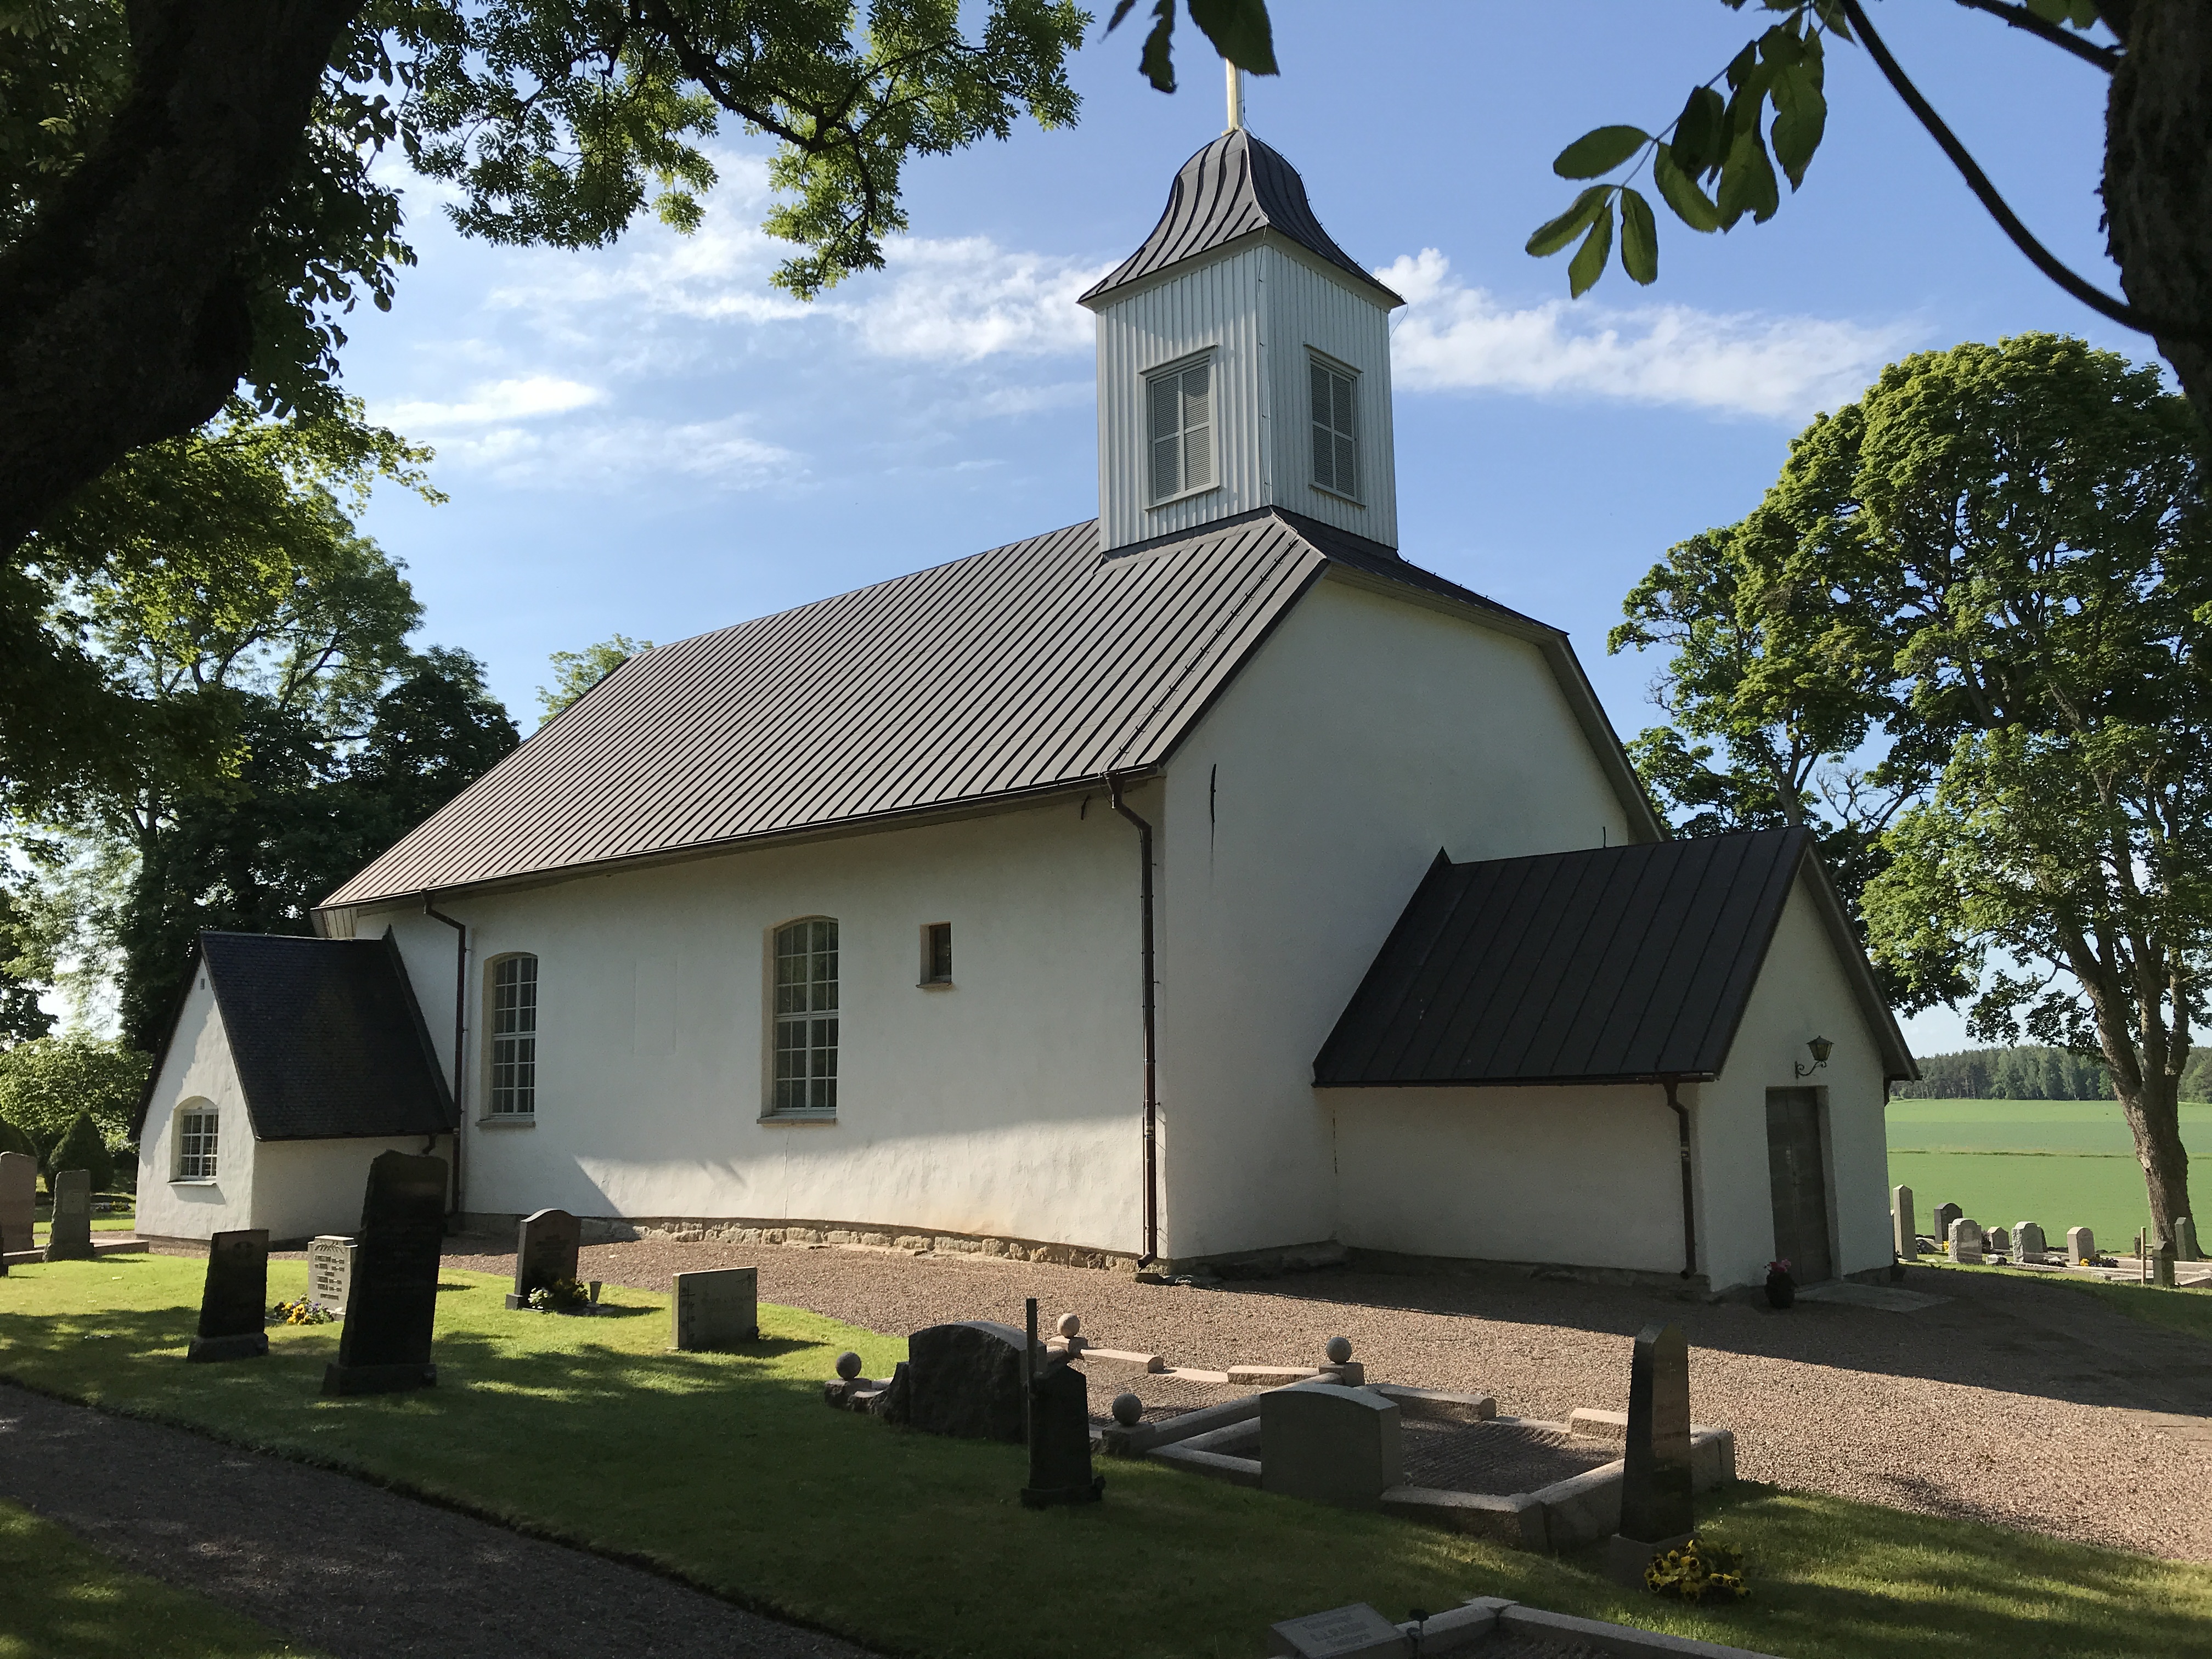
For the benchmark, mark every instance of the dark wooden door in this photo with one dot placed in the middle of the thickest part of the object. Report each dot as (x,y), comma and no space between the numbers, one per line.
(1801,1186)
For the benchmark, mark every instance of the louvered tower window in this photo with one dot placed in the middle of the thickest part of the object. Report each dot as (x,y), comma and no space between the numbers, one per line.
(1335,443)
(1181,403)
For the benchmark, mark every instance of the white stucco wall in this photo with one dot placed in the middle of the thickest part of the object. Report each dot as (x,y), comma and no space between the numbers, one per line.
(195,1069)
(1300,815)
(1588,1177)
(1802,993)
(1008,1105)
(303,1187)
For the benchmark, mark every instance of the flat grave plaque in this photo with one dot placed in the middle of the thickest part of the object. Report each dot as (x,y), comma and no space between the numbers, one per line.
(1354,1633)
(393,1303)
(236,1297)
(716,1307)
(70,1236)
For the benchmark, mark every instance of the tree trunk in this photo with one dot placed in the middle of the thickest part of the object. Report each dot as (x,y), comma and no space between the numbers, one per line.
(2158,178)
(123,307)
(2155,1120)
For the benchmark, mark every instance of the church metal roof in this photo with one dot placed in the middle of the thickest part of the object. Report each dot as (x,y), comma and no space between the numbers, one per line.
(1617,965)
(1040,665)
(324,1035)
(1235,187)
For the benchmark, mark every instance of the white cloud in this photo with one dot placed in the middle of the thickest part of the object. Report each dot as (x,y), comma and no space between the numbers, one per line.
(963,299)
(1455,337)
(492,403)
(721,453)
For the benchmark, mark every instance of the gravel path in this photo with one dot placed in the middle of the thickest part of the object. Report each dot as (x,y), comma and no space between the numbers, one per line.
(2027,1405)
(346,1567)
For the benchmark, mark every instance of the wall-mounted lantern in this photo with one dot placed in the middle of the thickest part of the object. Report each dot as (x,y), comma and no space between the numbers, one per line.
(1822,1048)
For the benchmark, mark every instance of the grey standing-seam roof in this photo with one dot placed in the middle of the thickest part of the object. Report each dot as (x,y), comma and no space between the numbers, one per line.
(1606,965)
(326,1037)
(1038,666)
(1235,187)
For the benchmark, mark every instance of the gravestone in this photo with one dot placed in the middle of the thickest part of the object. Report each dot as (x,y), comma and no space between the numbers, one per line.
(234,1301)
(1353,1632)
(2184,1241)
(1945,1215)
(1060,1439)
(1656,1511)
(2080,1246)
(714,1308)
(329,1271)
(1998,1243)
(69,1235)
(391,1306)
(1965,1240)
(964,1380)
(1904,1239)
(1331,1443)
(18,1201)
(2161,1264)
(2029,1243)
(544,1249)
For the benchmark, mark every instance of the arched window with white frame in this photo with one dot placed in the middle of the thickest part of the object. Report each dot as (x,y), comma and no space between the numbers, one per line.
(198,1141)
(513,1058)
(806,1017)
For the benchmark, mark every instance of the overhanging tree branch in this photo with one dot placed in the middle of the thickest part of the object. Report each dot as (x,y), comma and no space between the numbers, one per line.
(2106,58)
(2040,257)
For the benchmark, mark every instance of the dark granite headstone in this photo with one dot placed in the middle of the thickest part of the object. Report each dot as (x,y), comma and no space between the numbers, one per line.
(68,1238)
(964,1380)
(393,1303)
(19,1202)
(234,1303)
(546,1245)
(1656,1512)
(1060,1439)
(1945,1215)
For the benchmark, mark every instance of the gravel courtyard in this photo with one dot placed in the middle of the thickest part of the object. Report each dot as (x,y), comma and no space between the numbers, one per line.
(2027,1404)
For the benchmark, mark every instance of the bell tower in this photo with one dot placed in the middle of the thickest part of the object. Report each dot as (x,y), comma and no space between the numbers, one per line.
(1243,361)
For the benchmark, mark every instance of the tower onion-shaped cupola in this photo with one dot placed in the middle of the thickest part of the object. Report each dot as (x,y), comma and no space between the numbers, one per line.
(1243,361)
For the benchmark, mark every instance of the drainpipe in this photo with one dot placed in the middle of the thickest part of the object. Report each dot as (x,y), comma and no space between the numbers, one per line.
(460,1011)
(1151,1045)
(1689,1195)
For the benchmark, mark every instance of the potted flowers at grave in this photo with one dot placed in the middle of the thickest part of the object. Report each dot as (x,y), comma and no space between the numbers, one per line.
(1780,1288)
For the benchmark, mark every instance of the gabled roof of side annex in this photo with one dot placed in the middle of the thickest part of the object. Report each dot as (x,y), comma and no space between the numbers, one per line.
(1040,666)
(1234,188)
(324,1035)
(1620,964)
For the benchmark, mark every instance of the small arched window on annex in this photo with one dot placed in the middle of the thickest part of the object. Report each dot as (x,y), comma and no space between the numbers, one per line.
(195,1142)
(803,1018)
(511,1034)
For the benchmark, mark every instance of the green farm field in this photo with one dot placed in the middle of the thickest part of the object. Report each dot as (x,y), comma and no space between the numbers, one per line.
(2061,1163)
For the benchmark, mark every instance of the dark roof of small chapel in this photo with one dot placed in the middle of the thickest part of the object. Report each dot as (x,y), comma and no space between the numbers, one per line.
(1616,964)
(326,1037)
(1235,187)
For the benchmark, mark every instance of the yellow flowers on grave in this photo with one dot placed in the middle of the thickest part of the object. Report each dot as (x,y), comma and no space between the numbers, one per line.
(302,1312)
(1700,1570)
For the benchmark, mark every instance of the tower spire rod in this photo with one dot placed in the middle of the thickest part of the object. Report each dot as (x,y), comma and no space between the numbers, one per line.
(1236,96)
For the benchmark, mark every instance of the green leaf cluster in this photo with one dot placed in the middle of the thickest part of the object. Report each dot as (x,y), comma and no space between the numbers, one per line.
(1238,29)
(575,672)
(48,1083)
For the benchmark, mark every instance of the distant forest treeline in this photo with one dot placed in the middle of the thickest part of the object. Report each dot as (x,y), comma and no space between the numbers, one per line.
(2027,1074)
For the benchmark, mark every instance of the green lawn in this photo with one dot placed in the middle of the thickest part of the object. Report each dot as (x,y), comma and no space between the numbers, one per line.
(728,1470)
(65,1600)
(2061,1163)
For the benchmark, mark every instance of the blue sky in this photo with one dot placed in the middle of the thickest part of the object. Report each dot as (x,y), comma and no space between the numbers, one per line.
(650,440)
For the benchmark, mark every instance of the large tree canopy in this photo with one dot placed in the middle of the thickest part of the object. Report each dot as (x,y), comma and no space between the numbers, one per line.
(1990,579)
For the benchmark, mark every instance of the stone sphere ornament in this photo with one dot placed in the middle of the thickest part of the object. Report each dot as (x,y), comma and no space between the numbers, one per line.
(1069,1324)
(1339,1349)
(849,1365)
(1127,1409)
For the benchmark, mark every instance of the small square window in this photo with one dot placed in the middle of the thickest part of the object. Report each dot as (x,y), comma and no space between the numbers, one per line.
(937,953)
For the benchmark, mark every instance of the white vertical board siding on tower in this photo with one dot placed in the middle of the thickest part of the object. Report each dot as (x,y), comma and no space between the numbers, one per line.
(1211,305)
(1312,307)
(1007,1106)
(1584,1177)
(1802,993)
(1367,733)
(197,1071)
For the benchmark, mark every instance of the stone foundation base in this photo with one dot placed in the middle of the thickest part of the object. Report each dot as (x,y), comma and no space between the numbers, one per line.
(810,1235)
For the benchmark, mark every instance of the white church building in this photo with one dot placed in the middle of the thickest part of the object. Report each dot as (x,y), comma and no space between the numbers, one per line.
(1204,882)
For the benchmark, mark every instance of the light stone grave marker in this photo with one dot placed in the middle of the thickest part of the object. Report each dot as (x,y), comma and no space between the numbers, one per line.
(329,1271)
(68,1238)
(716,1307)
(19,1200)
(1965,1240)
(2080,1246)
(1903,1239)
(1354,1633)
(2161,1264)
(2029,1243)
(1325,1442)
(2184,1241)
